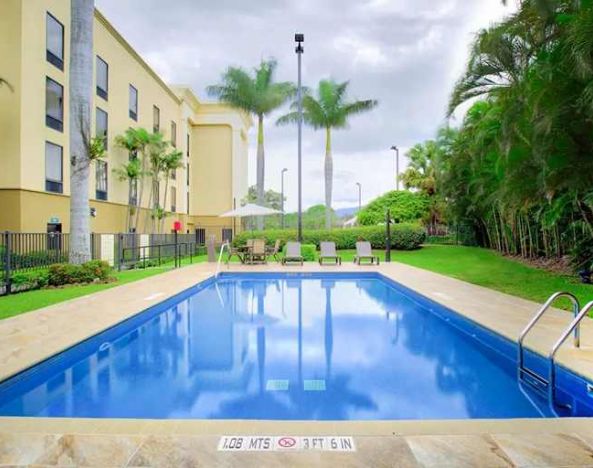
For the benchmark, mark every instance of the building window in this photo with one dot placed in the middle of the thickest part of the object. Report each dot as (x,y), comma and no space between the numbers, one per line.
(173,199)
(187,145)
(187,175)
(102,78)
(101,179)
(101,126)
(133,103)
(156,119)
(174,134)
(54,104)
(54,41)
(187,201)
(54,174)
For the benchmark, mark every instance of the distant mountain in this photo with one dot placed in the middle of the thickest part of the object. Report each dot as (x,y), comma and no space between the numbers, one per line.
(346,212)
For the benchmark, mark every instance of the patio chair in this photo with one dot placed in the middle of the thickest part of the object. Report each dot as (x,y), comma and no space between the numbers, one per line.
(235,252)
(293,253)
(274,251)
(364,252)
(257,252)
(328,252)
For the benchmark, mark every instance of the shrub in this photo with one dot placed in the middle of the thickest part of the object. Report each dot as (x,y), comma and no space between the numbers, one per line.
(30,279)
(65,273)
(307,251)
(404,207)
(403,236)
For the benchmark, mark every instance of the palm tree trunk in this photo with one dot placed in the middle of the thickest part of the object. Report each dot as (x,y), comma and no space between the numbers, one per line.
(81,81)
(260,168)
(329,177)
(162,220)
(140,194)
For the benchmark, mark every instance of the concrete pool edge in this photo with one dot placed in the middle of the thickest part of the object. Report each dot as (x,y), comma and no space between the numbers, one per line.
(204,427)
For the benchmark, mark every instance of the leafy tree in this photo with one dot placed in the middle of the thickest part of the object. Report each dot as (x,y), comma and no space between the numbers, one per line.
(520,168)
(404,207)
(136,141)
(328,110)
(272,199)
(255,94)
(172,161)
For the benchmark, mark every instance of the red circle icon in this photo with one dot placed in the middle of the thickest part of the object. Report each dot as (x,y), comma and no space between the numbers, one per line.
(287,442)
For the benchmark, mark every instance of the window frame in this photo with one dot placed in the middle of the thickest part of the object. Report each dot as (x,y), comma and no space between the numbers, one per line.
(101,190)
(51,121)
(133,113)
(102,93)
(173,134)
(156,123)
(173,203)
(53,185)
(52,58)
(105,137)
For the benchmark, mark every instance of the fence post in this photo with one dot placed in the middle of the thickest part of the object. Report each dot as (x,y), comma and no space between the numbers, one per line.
(176,249)
(120,251)
(388,237)
(7,262)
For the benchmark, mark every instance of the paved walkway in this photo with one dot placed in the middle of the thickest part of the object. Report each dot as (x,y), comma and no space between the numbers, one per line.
(32,337)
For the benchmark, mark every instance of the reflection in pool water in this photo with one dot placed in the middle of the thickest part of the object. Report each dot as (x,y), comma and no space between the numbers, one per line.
(276,347)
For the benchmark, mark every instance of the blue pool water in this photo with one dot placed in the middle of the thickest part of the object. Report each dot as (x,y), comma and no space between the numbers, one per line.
(318,347)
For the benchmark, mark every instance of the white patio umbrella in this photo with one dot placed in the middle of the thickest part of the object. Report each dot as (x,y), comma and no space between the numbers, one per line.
(250,209)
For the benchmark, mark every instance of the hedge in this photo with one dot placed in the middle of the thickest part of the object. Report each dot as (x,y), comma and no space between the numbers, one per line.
(403,236)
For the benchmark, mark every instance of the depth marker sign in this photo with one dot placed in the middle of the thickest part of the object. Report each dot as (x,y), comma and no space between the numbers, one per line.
(286,443)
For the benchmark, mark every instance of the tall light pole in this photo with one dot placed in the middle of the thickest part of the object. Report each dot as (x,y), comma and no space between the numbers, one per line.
(282,193)
(396,149)
(299,39)
(359,196)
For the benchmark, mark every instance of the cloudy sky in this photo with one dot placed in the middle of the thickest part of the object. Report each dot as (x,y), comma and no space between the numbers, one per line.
(405,53)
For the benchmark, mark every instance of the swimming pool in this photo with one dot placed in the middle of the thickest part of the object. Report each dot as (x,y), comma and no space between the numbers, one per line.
(339,346)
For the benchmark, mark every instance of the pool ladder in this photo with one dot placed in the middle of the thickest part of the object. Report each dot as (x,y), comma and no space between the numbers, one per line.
(538,381)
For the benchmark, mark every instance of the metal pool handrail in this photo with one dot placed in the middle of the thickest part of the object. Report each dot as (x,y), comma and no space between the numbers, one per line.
(573,326)
(542,311)
(228,246)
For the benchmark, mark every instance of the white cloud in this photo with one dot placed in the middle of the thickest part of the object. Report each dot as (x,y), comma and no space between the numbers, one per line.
(407,54)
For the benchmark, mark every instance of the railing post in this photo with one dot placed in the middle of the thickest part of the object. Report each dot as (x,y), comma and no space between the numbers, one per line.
(176,249)
(120,251)
(7,261)
(388,237)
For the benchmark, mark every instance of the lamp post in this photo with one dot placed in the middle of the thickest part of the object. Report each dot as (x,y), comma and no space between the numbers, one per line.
(359,196)
(396,149)
(299,39)
(282,193)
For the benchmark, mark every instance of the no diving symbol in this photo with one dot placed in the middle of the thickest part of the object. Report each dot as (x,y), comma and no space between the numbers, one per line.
(287,442)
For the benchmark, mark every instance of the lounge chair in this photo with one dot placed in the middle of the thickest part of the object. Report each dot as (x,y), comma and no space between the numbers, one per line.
(274,251)
(364,252)
(257,252)
(293,253)
(328,252)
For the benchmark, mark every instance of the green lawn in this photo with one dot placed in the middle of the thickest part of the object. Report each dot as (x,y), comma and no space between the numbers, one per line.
(471,264)
(24,302)
(490,269)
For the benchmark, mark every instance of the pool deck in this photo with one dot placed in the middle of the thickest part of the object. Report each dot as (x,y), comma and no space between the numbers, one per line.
(32,337)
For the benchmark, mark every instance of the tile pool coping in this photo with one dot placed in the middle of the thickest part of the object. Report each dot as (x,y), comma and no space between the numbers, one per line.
(37,335)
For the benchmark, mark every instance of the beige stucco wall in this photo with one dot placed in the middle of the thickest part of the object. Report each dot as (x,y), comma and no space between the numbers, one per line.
(218,157)
(10,107)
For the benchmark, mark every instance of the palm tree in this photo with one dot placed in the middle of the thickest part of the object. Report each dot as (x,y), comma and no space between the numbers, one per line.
(130,172)
(136,142)
(81,82)
(171,162)
(327,111)
(156,151)
(255,94)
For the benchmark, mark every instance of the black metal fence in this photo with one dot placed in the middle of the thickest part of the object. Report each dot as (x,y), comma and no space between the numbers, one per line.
(28,252)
